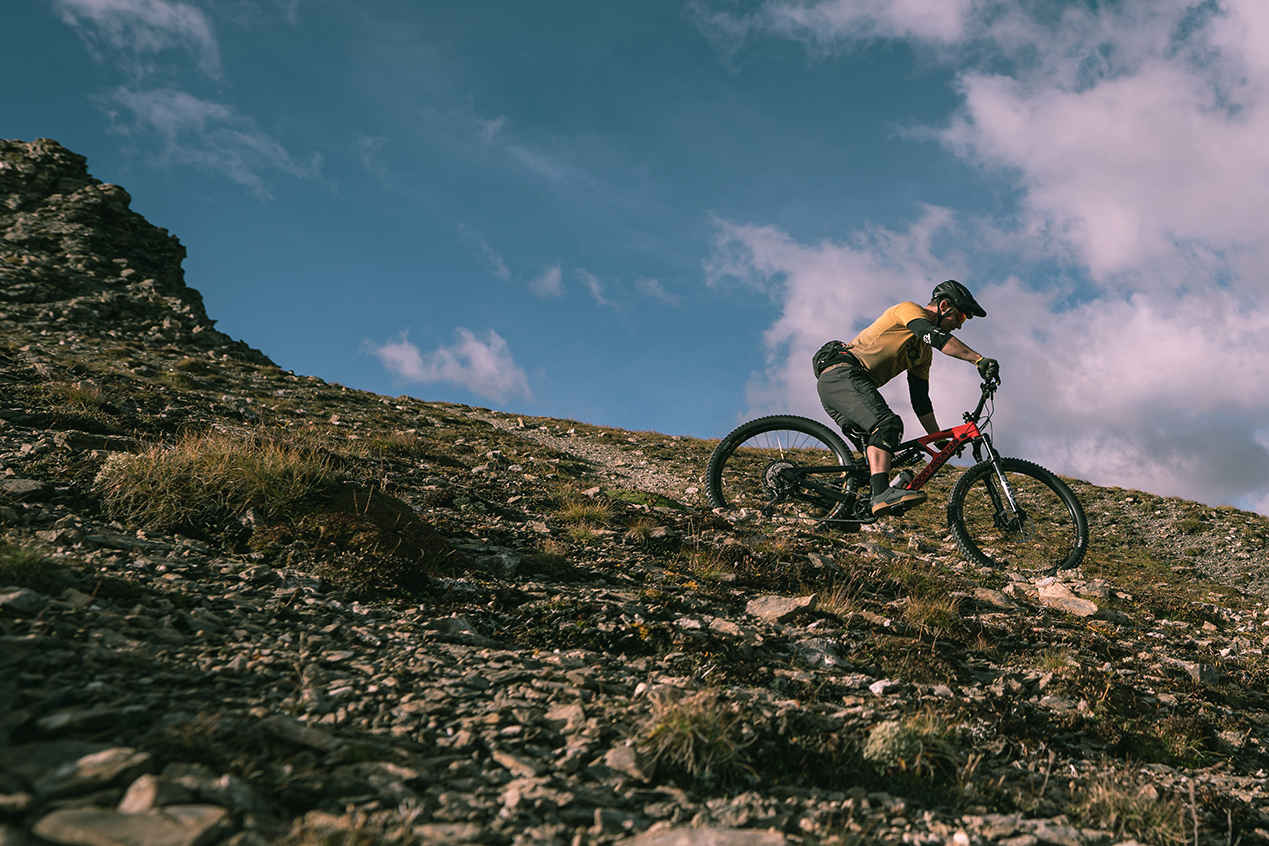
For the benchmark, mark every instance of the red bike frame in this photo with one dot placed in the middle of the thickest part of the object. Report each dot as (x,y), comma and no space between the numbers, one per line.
(958,437)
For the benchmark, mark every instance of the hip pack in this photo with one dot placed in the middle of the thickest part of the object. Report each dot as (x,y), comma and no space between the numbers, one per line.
(834,352)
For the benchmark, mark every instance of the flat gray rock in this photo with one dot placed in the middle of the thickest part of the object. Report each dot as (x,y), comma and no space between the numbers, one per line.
(1059,596)
(21,488)
(175,825)
(23,601)
(780,609)
(94,771)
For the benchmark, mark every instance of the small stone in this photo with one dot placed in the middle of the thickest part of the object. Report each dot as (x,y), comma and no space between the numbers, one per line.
(15,803)
(94,772)
(149,792)
(994,598)
(566,717)
(448,834)
(77,598)
(718,624)
(294,731)
(1059,835)
(23,601)
(709,837)
(517,765)
(629,761)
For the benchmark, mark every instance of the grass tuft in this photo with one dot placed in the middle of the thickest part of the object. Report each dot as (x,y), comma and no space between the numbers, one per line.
(585,512)
(205,482)
(699,735)
(640,530)
(1118,802)
(937,616)
(25,566)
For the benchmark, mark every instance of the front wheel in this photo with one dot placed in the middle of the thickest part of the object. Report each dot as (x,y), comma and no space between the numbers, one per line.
(1023,517)
(757,470)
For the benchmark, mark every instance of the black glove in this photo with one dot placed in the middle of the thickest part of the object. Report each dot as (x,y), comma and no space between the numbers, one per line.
(989,369)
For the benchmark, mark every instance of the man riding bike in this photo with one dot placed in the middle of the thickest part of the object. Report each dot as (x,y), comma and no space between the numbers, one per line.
(903,338)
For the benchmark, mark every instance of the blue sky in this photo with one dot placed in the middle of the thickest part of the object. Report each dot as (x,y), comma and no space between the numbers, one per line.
(647,215)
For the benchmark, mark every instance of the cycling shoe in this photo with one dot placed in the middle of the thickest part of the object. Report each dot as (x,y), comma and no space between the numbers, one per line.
(893,500)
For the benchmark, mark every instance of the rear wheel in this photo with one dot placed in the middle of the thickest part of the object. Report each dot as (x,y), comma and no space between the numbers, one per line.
(754,470)
(1026,517)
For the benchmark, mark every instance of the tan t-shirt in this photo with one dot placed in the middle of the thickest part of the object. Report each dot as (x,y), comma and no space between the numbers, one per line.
(887,348)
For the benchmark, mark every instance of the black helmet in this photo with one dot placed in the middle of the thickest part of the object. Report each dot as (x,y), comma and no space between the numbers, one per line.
(959,296)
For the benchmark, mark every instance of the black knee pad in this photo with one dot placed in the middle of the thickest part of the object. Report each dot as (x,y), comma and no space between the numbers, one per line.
(888,433)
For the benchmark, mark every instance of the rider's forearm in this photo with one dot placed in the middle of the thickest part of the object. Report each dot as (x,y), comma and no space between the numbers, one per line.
(956,349)
(931,425)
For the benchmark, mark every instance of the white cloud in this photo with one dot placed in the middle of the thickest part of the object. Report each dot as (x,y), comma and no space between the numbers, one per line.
(370,150)
(208,135)
(541,162)
(486,254)
(483,366)
(549,283)
(595,285)
(138,28)
(1155,152)
(827,25)
(654,289)
(829,21)
(490,129)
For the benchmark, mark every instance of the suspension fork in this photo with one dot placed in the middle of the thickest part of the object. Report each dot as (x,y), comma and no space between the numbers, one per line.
(997,503)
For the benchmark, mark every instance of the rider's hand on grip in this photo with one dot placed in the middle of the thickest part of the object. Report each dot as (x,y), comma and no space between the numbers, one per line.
(989,369)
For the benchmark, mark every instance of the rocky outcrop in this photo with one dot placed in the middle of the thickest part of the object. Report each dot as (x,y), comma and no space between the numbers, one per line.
(76,260)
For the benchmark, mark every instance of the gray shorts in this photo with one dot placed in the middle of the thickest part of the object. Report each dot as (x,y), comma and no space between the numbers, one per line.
(851,398)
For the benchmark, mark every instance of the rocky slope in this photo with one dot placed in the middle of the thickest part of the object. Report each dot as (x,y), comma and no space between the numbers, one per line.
(481,628)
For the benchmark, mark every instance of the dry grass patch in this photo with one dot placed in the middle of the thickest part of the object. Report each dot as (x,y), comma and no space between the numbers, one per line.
(699,735)
(207,481)
(1057,661)
(640,530)
(1120,802)
(937,616)
(80,397)
(584,511)
(708,565)
(841,600)
(919,745)
(26,566)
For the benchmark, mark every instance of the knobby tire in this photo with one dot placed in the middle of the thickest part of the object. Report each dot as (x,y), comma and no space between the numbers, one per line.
(743,470)
(1050,533)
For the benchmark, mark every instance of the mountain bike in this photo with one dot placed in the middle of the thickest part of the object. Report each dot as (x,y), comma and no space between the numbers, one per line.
(1001,510)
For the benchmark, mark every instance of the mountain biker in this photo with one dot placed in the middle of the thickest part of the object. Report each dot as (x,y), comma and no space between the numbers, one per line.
(901,339)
